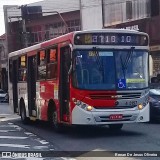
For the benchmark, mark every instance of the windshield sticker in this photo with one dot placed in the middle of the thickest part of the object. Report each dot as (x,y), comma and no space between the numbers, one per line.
(105,53)
(93,53)
(135,80)
(121,83)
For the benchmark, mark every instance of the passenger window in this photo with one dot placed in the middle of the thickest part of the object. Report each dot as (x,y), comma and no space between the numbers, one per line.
(22,69)
(52,63)
(41,68)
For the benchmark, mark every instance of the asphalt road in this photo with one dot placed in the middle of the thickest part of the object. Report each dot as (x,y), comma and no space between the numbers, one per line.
(133,137)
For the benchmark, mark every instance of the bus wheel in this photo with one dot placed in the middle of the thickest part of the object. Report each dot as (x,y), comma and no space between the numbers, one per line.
(24,118)
(53,120)
(115,127)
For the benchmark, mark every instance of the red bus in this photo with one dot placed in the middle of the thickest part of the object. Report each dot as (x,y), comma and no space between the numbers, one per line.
(96,77)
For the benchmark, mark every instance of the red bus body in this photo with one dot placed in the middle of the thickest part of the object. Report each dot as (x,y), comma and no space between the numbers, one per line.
(51,92)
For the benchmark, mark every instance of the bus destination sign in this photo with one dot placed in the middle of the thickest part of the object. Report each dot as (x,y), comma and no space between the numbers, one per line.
(110,39)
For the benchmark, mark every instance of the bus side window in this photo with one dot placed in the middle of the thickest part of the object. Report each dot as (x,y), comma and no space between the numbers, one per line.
(41,70)
(22,69)
(52,63)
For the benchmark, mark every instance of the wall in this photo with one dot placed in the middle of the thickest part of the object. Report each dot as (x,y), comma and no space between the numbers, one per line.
(91,14)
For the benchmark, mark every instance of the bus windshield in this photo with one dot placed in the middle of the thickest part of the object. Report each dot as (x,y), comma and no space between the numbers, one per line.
(110,70)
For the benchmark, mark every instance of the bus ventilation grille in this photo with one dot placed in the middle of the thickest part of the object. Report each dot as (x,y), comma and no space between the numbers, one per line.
(117,96)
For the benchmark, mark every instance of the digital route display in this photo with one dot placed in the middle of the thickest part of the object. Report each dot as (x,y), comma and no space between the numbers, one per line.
(111,39)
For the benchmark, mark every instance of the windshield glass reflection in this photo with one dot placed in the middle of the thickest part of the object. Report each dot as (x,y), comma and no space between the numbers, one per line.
(108,70)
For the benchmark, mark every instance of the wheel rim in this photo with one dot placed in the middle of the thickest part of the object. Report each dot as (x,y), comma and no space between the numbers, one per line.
(22,113)
(55,121)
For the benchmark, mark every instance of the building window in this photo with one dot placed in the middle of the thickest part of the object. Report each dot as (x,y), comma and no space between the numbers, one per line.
(58,28)
(128,10)
(120,11)
(155,7)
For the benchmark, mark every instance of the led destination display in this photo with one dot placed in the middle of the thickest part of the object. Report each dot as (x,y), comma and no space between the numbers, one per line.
(110,39)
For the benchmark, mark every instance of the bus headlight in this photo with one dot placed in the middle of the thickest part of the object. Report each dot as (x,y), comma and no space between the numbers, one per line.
(82,105)
(89,108)
(86,107)
(140,106)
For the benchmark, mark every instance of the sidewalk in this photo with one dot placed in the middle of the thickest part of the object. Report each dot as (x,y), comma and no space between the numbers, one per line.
(6,112)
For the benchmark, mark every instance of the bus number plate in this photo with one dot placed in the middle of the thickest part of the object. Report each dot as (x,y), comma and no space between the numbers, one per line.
(115,116)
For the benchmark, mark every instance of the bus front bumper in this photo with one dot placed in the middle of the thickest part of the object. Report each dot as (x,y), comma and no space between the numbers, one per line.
(102,117)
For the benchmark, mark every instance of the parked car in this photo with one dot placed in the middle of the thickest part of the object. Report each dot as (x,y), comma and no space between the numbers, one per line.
(3,96)
(154,101)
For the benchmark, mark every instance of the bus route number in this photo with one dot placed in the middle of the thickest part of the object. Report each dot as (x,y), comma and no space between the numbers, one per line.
(126,39)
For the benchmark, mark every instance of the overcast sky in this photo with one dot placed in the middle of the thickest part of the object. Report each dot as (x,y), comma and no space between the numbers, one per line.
(10,2)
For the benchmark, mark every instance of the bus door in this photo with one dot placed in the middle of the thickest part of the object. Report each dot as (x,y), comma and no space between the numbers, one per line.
(14,84)
(64,92)
(31,81)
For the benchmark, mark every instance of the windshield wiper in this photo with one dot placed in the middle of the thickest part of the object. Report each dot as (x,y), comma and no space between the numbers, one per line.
(126,62)
(98,59)
(99,63)
(128,58)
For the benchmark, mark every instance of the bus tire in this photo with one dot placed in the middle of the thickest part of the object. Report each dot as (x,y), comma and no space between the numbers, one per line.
(53,120)
(115,127)
(24,118)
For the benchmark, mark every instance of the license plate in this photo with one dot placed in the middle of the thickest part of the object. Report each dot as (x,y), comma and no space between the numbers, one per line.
(115,116)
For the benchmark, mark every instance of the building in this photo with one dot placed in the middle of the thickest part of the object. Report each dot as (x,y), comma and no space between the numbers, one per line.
(36,22)
(33,23)
(3,62)
(141,15)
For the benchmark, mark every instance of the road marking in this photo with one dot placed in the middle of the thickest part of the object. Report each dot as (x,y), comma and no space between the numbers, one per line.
(4,131)
(15,145)
(40,147)
(28,133)
(41,141)
(10,125)
(12,137)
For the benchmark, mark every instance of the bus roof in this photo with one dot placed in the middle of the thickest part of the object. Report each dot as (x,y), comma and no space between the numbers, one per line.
(69,36)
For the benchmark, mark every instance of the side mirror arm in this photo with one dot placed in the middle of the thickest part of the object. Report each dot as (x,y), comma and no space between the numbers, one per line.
(70,69)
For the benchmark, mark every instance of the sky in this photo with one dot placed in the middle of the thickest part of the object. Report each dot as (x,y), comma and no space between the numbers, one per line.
(11,2)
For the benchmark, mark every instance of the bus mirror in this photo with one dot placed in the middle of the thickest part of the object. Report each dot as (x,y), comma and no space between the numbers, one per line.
(71,47)
(70,70)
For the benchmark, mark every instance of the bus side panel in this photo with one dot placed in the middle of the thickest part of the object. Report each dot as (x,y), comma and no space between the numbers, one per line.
(22,94)
(45,91)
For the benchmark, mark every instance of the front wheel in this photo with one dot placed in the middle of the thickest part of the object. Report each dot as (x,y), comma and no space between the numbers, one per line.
(53,120)
(115,127)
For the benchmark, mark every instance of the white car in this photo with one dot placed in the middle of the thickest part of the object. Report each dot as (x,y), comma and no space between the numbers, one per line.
(3,96)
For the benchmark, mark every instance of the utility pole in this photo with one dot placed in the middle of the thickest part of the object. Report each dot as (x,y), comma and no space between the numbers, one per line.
(24,33)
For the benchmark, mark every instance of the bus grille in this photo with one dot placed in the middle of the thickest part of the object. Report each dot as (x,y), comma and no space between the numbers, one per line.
(115,107)
(117,96)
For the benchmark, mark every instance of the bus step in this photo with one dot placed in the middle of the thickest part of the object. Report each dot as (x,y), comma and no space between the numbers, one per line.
(33,118)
